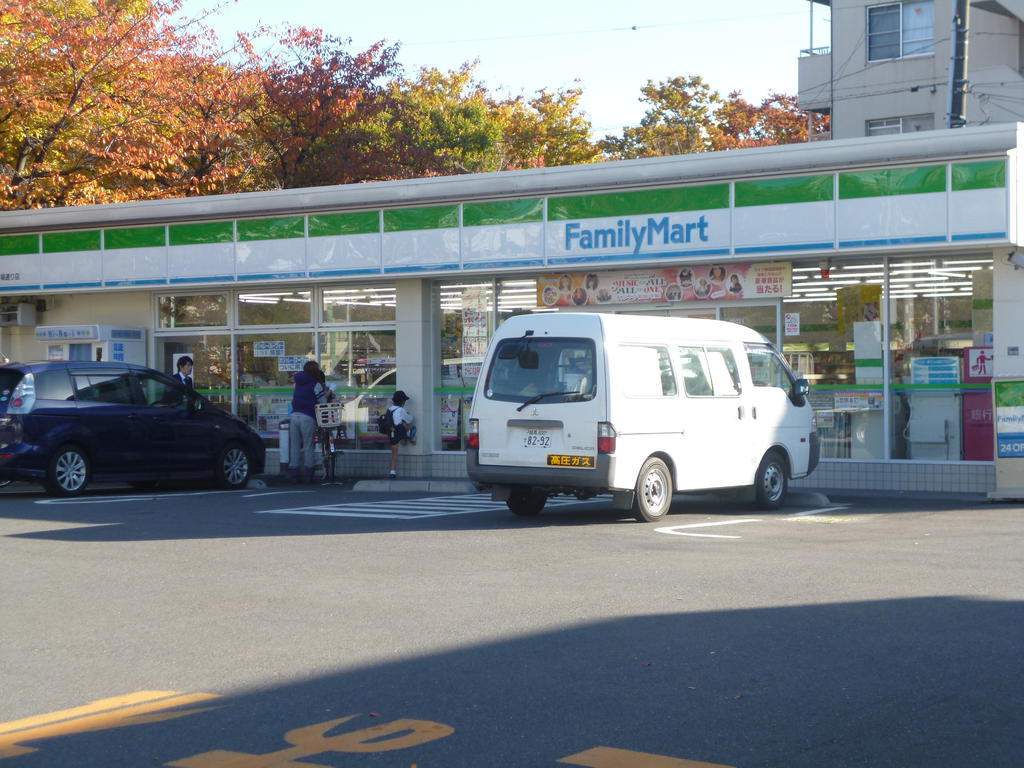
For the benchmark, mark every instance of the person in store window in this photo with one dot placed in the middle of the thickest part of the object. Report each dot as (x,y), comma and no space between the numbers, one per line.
(184,372)
(402,429)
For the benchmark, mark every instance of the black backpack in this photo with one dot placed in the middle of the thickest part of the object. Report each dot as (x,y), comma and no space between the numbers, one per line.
(385,422)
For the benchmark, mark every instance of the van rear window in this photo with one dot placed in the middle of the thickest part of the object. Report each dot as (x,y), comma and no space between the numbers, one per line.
(549,370)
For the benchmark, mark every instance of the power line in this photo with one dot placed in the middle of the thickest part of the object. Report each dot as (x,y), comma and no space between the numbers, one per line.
(632,28)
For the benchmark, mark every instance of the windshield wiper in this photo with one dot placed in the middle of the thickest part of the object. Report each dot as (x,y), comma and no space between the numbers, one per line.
(538,398)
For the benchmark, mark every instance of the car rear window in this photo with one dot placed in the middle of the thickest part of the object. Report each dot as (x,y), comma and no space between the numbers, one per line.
(54,385)
(549,370)
(9,379)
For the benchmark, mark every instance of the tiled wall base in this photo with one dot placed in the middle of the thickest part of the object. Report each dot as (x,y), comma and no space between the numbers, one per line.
(963,477)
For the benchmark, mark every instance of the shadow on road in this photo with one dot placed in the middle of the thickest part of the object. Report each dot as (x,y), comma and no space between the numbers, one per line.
(909,683)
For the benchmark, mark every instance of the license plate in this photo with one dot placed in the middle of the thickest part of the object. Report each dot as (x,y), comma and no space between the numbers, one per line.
(537,438)
(573,462)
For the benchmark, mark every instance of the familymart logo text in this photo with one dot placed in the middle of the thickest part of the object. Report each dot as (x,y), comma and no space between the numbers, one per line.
(625,235)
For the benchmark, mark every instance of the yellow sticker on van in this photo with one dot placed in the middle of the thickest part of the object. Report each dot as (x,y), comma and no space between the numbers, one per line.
(573,462)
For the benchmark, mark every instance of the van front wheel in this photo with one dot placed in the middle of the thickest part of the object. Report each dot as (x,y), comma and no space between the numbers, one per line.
(653,492)
(526,502)
(771,482)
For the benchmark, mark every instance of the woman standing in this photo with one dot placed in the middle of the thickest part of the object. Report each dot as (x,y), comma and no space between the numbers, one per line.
(301,459)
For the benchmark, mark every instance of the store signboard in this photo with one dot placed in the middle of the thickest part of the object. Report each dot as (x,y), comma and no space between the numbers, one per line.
(1009,419)
(267,348)
(935,370)
(710,282)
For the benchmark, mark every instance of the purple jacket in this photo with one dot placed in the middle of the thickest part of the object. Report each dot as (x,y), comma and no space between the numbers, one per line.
(303,399)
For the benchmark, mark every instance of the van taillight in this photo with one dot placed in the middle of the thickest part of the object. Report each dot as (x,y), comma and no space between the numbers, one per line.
(473,434)
(605,437)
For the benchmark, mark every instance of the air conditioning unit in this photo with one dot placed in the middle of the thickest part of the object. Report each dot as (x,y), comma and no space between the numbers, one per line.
(17,314)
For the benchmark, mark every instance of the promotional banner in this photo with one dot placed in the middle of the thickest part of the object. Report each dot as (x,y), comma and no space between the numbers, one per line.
(710,282)
(1009,417)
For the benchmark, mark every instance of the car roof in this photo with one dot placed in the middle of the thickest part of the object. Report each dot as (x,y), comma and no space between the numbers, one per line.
(36,366)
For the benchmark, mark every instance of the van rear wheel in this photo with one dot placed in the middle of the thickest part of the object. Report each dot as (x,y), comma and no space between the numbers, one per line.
(771,481)
(653,495)
(526,502)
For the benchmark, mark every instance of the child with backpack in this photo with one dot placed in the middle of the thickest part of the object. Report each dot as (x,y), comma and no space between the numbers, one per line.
(396,423)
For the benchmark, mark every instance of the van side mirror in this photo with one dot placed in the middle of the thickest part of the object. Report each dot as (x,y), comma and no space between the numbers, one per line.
(800,389)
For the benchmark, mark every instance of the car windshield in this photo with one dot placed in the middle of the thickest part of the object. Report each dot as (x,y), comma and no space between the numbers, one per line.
(547,370)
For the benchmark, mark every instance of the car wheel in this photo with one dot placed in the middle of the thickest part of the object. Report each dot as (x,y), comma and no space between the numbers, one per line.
(653,491)
(526,502)
(69,472)
(771,481)
(233,467)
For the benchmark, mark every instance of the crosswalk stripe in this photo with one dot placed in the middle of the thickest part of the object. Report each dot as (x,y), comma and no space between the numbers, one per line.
(411,509)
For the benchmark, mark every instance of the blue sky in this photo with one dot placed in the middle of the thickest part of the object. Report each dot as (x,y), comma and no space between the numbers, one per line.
(611,47)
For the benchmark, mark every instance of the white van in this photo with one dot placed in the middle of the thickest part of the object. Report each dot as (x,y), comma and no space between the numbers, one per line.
(641,407)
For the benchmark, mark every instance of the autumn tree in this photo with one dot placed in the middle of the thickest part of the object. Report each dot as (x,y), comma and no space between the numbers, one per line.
(84,90)
(686,115)
(313,110)
(547,130)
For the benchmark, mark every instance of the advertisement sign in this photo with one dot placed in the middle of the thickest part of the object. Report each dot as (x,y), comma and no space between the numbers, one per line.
(935,370)
(978,364)
(267,348)
(474,329)
(791,322)
(711,282)
(1009,397)
(291,362)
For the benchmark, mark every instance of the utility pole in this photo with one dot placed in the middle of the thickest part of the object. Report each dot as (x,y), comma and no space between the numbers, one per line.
(956,116)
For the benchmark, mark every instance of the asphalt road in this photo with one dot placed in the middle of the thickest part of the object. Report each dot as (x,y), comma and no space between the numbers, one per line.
(322,627)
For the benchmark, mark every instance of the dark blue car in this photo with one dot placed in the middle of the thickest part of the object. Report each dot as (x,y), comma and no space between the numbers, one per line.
(69,423)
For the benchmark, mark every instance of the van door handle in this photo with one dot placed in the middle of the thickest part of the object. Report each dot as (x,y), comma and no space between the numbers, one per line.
(753,412)
(739,412)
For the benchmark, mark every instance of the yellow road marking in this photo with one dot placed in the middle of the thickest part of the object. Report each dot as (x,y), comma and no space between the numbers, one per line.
(100,715)
(609,757)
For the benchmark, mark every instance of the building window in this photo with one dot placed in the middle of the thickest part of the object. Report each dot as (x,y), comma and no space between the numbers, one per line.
(890,125)
(901,29)
(359,304)
(274,308)
(193,311)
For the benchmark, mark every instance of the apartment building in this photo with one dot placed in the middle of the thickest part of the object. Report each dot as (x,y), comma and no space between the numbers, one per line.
(887,66)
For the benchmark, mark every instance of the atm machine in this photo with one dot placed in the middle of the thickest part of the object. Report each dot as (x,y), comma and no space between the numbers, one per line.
(106,343)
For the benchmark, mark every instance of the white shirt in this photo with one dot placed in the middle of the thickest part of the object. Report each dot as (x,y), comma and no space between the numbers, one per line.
(399,415)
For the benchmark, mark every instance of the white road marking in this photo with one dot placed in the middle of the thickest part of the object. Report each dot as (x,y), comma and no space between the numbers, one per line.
(136,497)
(679,530)
(272,493)
(414,509)
(819,511)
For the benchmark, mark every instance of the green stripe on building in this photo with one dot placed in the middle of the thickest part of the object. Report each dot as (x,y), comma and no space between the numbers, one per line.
(202,234)
(282,228)
(867,362)
(502,212)
(66,242)
(652,201)
(337,224)
(16,245)
(887,182)
(990,175)
(134,237)
(432,217)
(805,189)
(981,304)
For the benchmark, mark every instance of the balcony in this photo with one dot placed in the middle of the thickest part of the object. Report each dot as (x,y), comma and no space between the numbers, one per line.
(814,79)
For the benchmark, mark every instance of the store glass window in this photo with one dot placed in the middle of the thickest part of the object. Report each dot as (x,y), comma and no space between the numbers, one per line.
(360,368)
(275,307)
(940,324)
(466,322)
(211,358)
(359,304)
(833,338)
(266,364)
(760,317)
(193,311)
